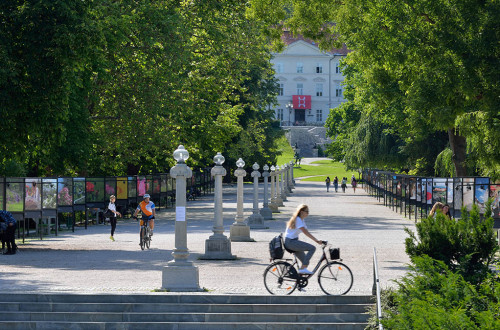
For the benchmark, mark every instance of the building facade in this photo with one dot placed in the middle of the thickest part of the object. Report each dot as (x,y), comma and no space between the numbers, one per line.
(310,82)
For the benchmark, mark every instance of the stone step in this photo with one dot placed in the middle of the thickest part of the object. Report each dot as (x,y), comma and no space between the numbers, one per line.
(176,307)
(181,311)
(177,326)
(185,317)
(187,298)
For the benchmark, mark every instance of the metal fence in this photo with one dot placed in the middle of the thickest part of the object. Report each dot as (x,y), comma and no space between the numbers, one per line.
(37,202)
(415,195)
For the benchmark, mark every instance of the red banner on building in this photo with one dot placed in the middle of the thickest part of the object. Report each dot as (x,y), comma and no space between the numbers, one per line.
(301,101)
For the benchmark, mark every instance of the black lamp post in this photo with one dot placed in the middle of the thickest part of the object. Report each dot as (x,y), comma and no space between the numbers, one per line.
(289,106)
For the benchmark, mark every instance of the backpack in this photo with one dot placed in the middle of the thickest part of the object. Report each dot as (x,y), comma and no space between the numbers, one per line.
(276,249)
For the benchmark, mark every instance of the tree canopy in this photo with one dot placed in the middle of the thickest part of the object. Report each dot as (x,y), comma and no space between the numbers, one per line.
(416,67)
(113,87)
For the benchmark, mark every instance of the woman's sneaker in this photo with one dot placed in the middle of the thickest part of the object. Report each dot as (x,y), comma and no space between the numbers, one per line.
(305,271)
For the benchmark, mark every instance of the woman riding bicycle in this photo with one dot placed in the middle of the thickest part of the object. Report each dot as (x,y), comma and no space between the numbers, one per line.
(294,227)
(147,208)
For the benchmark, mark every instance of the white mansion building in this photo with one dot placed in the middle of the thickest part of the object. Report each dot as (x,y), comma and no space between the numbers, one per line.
(309,82)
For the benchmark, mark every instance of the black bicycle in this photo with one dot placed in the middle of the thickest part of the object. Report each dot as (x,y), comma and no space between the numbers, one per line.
(145,234)
(335,278)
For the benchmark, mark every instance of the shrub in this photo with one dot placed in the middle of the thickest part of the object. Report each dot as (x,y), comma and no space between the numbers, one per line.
(433,297)
(465,245)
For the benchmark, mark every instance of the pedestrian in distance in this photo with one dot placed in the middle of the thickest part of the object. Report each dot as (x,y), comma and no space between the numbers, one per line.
(354,183)
(294,227)
(336,183)
(327,181)
(344,184)
(446,211)
(113,214)
(3,228)
(437,206)
(10,231)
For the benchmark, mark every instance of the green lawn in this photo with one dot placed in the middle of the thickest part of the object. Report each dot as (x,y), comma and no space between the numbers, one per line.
(320,170)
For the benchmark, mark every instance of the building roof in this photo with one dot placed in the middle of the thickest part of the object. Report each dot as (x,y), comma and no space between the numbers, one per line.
(288,38)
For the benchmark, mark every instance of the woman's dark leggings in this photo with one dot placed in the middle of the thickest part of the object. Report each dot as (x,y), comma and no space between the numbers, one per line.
(112,221)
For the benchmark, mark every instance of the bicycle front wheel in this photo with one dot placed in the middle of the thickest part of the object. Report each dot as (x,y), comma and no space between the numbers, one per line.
(335,278)
(280,278)
(147,240)
(143,236)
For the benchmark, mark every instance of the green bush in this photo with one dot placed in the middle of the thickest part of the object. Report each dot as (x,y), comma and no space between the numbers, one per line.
(433,297)
(465,245)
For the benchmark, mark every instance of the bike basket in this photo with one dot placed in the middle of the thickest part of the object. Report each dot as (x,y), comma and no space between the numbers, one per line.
(334,253)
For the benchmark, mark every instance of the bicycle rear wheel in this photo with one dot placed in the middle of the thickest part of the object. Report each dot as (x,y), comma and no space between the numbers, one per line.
(280,278)
(335,278)
(143,236)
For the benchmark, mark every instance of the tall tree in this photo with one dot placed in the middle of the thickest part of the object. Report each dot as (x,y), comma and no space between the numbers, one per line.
(433,63)
(44,48)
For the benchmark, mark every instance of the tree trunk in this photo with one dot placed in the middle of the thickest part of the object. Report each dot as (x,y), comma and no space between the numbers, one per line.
(459,147)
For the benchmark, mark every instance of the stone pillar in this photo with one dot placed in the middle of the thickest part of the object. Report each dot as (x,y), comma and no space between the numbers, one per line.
(265,211)
(282,191)
(288,190)
(256,220)
(279,199)
(292,181)
(218,246)
(180,274)
(273,206)
(239,231)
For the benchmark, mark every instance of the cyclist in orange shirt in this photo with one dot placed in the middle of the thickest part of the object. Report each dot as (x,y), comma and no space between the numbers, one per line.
(147,208)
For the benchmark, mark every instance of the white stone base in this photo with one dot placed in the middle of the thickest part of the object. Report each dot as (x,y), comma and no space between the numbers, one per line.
(266,213)
(218,248)
(256,221)
(274,208)
(180,277)
(240,233)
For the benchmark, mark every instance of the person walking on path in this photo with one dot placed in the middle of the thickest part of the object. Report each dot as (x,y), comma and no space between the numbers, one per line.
(113,213)
(353,183)
(327,181)
(294,227)
(336,183)
(344,184)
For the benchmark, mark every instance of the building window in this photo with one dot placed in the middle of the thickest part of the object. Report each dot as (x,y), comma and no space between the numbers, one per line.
(279,67)
(319,68)
(300,67)
(279,114)
(281,88)
(337,67)
(319,89)
(300,89)
(338,91)
(319,116)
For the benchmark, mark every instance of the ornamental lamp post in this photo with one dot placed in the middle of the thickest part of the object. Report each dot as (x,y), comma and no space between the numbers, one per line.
(265,211)
(289,106)
(239,231)
(272,204)
(278,200)
(180,274)
(256,220)
(218,246)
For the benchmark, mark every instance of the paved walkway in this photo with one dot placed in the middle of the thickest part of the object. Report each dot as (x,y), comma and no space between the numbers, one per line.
(87,261)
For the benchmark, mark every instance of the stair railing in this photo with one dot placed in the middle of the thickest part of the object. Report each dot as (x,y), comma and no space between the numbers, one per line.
(376,288)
